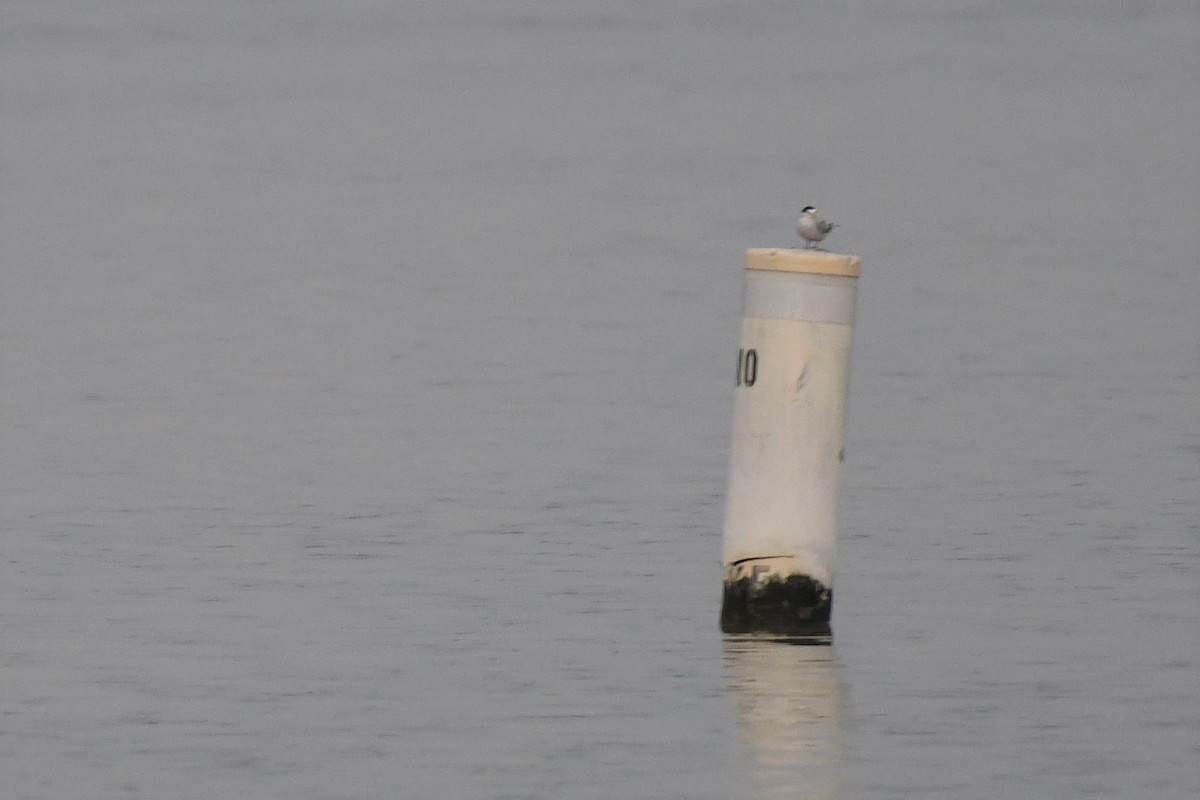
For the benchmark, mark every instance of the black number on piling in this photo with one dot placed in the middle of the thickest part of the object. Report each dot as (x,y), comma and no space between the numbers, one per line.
(750,373)
(747,368)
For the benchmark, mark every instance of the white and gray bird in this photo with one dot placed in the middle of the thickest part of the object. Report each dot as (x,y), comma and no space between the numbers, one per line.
(812,228)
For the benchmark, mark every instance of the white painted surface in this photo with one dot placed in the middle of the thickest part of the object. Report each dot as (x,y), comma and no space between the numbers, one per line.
(799,296)
(788,424)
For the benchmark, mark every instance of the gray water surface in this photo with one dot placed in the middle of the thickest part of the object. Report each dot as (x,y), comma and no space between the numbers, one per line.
(367,378)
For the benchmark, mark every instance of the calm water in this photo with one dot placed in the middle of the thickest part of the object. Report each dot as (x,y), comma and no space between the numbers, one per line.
(367,379)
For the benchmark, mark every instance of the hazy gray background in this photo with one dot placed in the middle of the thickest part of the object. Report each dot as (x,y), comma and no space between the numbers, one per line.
(367,377)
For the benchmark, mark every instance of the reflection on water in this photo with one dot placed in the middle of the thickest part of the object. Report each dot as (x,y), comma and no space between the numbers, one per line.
(788,704)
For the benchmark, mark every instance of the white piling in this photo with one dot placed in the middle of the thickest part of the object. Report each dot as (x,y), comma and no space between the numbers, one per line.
(788,424)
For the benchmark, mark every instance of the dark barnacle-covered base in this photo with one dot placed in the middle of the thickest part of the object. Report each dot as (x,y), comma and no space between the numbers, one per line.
(793,606)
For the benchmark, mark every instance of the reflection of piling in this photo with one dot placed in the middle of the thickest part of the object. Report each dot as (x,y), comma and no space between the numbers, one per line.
(788,421)
(788,703)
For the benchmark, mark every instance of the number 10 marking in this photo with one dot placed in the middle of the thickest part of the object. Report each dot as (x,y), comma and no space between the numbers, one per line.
(747,371)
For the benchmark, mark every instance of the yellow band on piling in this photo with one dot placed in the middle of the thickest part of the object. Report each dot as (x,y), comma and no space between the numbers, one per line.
(811,261)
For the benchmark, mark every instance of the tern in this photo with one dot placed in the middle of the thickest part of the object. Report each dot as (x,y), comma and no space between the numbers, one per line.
(812,228)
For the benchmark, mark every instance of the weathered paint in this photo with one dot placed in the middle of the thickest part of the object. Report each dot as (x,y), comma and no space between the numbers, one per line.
(780,536)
